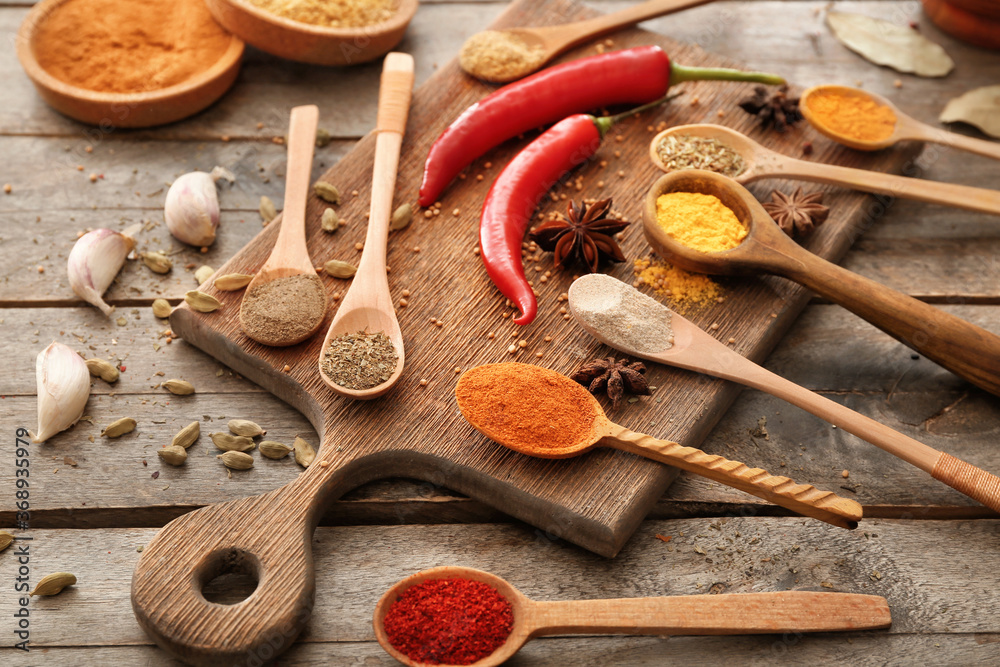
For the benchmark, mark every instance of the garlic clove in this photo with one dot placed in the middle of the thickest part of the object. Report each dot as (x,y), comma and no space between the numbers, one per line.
(192,209)
(63,382)
(94,262)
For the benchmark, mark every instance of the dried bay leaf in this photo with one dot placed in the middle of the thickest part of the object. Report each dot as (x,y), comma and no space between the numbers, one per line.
(900,47)
(979,107)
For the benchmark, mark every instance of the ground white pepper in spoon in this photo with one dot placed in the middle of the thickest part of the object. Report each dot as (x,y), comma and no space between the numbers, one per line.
(629,319)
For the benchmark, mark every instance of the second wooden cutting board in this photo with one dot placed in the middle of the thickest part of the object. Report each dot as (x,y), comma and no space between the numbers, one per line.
(416,431)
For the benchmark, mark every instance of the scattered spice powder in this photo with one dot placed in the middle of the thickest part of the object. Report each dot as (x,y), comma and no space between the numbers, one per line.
(499,55)
(672,281)
(284,309)
(690,152)
(360,360)
(627,318)
(449,621)
(331,13)
(699,221)
(855,116)
(129,47)
(526,407)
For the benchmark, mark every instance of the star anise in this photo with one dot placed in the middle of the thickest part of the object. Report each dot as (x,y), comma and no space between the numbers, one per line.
(797,212)
(777,110)
(586,235)
(615,377)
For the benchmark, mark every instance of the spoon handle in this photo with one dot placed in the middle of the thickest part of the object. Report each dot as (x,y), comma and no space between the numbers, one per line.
(959,196)
(291,241)
(583,31)
(960,141)
(730,614)
(717,360)
(801,498)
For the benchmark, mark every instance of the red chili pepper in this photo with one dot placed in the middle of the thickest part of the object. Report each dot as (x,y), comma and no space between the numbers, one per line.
(632,76)
(513,197)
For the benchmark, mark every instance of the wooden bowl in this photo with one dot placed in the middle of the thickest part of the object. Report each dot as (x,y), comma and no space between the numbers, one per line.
(117,110)
(309,43)
(974,21)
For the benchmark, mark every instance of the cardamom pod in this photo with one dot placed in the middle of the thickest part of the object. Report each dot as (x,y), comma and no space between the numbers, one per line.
(187,435)
(323,138)
(203,303)
(118,428)
(327,192)
(162,308)
(52,584)
(103,369)
(329,222)
(401,217)
(337,269)
(179,387)
(232,443)
(245,427)
(173,455)
(236,460)
(232,282)
(304,452)
(267,210)
(157,262)
(203,273)
(6,538)
(273,450)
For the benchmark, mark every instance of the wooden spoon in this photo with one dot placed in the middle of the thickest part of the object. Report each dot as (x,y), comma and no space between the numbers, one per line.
(727,614)
(580,407)
(367,306)
(295,287)
(761,163)
(963,348)
(545,43)
(907,128)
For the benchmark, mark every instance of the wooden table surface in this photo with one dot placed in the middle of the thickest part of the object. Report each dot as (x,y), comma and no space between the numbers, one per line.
(929,550)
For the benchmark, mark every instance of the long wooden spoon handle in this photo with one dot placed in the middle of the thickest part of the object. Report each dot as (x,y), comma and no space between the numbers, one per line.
(802,498)
(734,614)
(969,351)
(960,196)
(966,478)
(583,31)
(960,141)
(291,241)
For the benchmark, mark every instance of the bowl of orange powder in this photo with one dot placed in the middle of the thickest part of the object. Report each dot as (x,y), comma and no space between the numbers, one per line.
(127,64)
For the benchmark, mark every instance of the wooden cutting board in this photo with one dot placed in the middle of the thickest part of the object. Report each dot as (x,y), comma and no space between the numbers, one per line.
(596,500)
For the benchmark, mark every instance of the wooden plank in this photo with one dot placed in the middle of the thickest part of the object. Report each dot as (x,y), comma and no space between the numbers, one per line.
(931,572)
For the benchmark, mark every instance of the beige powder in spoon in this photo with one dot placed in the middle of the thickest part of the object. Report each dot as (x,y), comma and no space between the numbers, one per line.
(284,309)
(497,55)
(626,318)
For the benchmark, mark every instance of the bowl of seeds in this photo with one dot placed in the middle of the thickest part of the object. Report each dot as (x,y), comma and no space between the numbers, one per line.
(321,32)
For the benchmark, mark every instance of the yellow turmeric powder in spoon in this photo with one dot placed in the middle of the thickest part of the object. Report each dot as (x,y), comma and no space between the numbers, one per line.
(699,221)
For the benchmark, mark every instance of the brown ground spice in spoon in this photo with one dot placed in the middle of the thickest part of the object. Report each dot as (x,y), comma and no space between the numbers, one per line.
(283,309)
(526,407)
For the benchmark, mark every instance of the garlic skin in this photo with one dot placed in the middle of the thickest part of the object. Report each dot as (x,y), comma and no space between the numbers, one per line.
(192,209)
(63,388)
(95,261)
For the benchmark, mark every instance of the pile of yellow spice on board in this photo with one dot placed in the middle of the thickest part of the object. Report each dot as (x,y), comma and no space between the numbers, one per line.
(331,13)
(676,283)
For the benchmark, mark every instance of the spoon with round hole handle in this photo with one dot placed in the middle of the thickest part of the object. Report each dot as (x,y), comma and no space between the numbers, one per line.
(761,162)
(598,430)
(726,614)
(367,306)
(290,256)
(556,39)
(907,128)
(963,348)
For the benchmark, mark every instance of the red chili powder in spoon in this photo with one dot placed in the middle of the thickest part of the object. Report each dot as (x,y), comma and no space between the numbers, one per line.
(449,621)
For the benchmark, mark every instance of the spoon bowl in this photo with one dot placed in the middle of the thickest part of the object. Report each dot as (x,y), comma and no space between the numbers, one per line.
(726,614)
(290,256)
(907,128)
(367,306)
(761,162)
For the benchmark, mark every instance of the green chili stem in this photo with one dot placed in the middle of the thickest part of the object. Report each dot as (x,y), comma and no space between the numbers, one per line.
(604,123)
(680,74)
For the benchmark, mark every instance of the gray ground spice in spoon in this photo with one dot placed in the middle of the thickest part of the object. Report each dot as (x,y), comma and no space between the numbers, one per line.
(285,309)
(628,319)
(360,360)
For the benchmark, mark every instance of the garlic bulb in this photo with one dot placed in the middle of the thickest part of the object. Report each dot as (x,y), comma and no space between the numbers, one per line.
(192,206)
(63,387)
(95,261)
